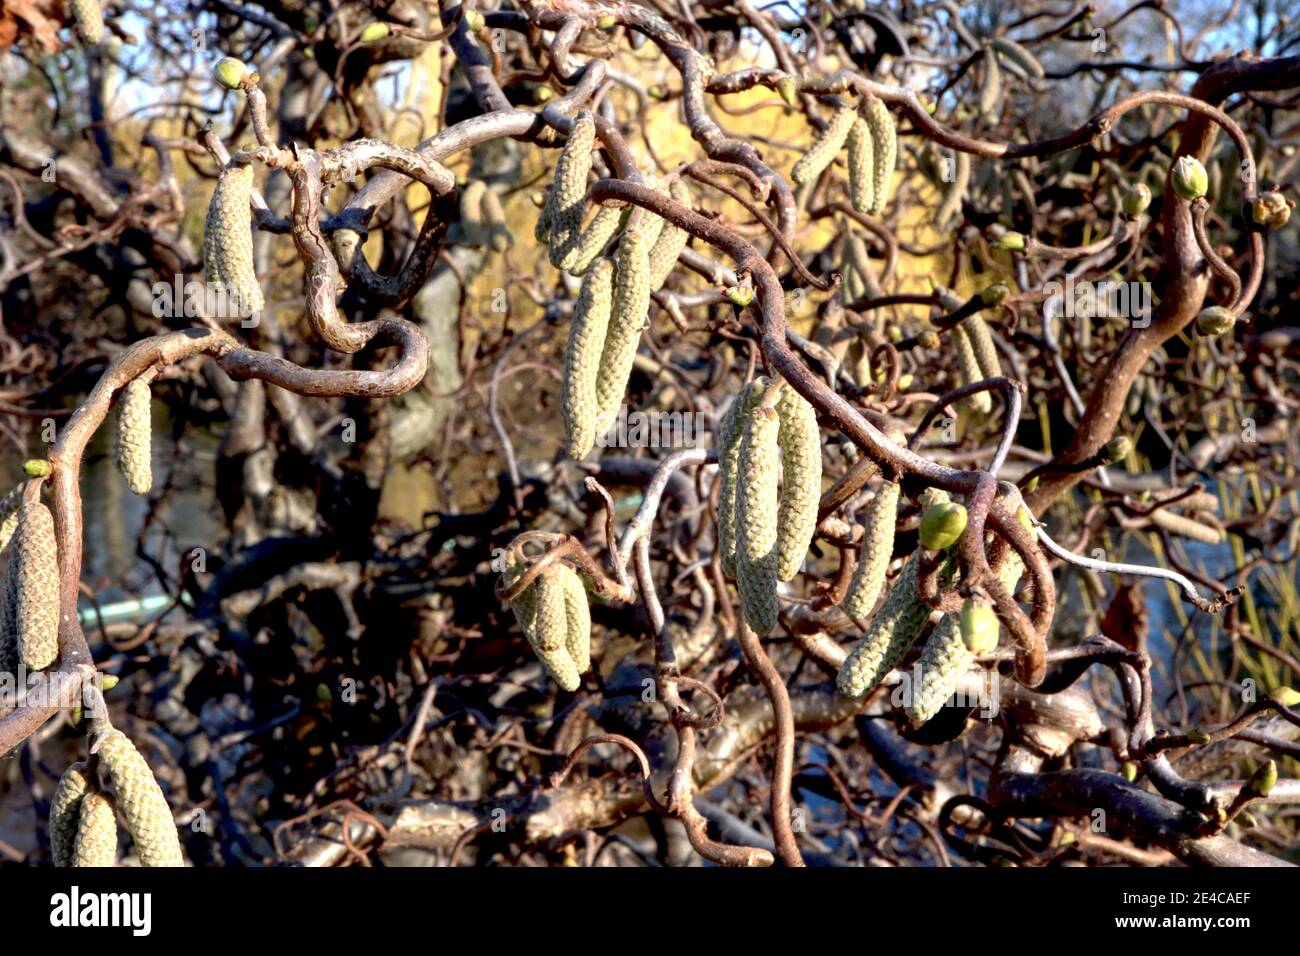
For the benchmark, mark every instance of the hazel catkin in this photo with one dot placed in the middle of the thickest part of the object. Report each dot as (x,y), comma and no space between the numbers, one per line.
(884,143)
(133,449)
(822,152)
(36,586)
(228,243)
(90,19)
(550,633)
(757,503)
(861,166)
(582,358)
(630,304)
(801,481)
(565,203)
(730,432)
(888,635)
(671,240)
(65,812)
(144,808)
(96,841)
(877,549)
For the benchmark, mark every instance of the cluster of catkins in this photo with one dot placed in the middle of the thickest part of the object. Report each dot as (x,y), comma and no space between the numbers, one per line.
(955,640)
(614,298)
(83,817)
(873,152)
(769,488)
(554,615)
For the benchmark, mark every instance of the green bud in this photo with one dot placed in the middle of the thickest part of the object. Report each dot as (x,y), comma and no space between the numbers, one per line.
(741,295)
(230,72)
(37,467)
(1135,199)
(1215,320)
(1264,779)
(1032,483)
(1117,449)
(1246,820)
(1285,697)
(1010,242)
(1189,178)
(374,32)
(942,524)
(108,681)
(788,91)
(1129,771)
(894,333)
(607,22)
(995,294)
(905,381)
(928,339)
(474,20)
(1198,737)
(1271,210)
(979,627)
(323,693)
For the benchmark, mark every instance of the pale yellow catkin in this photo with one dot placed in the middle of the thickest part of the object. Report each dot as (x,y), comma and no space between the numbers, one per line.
(550,634)
(144,808)
(801,481)
(594,238)
(566,201)
(96,840)
(730,431)
(90,19)
(757,502)
(861,166)
(822,152)
(36,584)
(981,340)
(577,619)
(891,631)
(65,812)
(628,310)
(228,242)
(524,605)
(1186,527)
(970,370)
(671,241)
(134,443)
(582,357)
(878,523)
(884,142)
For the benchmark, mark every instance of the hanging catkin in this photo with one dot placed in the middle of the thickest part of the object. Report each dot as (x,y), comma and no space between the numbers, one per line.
(822,152)
(861,166)
(801,481)
(671,241)
(890,633)
(877,549)
(144,808)
(981,340)
(884,143)
(134,437)
(566,201)
(550,633)
(970,370)
(757,502)
(594,238)
(578,399)
(577,613)
(730,431)
(65,812)
(90,19)
(629,307)
(228,242)
(96,840)
(36,585)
